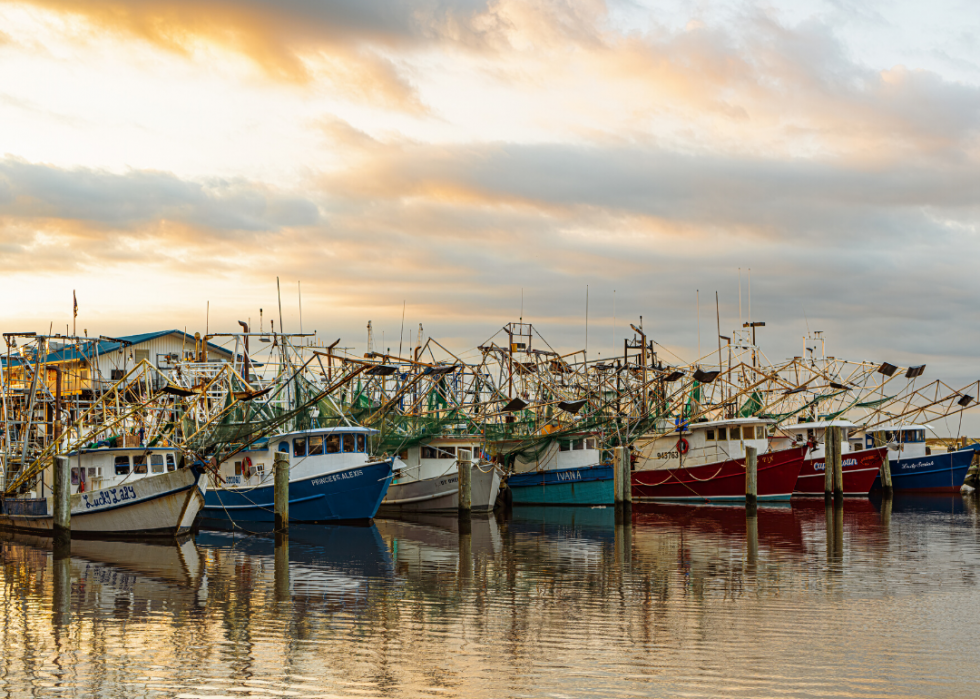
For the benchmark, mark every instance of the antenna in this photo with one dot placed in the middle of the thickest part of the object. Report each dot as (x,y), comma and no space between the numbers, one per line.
(370,344)
(401,333)
(522,304)
(750,293)
(279,294)
(699,322)
(300,290)
(586,323)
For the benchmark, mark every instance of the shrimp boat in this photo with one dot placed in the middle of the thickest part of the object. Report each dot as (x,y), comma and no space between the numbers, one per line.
(859,466)
(913,464)
(568,471)
(118,492)
(705,462)
(426,478)
(332,478)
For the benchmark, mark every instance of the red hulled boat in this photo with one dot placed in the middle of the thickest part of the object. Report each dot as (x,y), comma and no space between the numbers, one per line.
(722,481)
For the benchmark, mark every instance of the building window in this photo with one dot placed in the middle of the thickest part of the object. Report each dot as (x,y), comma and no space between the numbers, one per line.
(122,465)
(299,446)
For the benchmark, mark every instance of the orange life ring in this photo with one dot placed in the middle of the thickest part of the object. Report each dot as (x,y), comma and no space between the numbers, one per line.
(682,446)
(247,467)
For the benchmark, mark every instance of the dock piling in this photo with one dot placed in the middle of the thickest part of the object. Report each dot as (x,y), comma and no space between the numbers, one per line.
(886,467)
(834,436)
(828,468)
(618,476)
(62,498)
(751,479)
(465,469)
(281,487)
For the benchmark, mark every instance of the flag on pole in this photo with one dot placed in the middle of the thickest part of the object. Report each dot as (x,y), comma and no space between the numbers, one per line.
(74,304)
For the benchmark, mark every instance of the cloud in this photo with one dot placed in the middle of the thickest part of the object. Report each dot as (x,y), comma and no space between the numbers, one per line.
(143,197)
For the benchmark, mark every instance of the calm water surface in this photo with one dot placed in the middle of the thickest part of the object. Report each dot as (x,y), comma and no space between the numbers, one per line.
(879,601)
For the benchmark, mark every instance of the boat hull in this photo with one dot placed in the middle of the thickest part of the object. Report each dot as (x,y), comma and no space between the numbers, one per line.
(164,505)
(586,485)
(938,473)
(859,469)
(348,495)
(441,493)
(722,481)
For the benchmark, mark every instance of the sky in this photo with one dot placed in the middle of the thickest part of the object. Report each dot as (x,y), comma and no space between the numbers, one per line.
(477,162)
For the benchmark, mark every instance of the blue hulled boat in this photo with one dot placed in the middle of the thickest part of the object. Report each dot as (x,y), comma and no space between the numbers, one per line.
(331,479)
(566,472)
(915,468)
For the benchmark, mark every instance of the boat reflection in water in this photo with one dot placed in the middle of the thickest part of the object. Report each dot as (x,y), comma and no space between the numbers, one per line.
(121,575)
(330,567)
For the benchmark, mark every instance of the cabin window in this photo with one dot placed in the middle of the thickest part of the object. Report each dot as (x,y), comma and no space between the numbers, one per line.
(429,453)
(74,476)
(349,443)
(284,447)
(122,465)
(315,445)
(139,464)
(709,435)
(361,442)
(403,455)
(578,444)
(590,444)
(171,463)
(238,468)
(760,432)
(722,434)
(299,446)
(333,443)
(94,472)
(748,432)
(447,452)
(156,463)
(564,445)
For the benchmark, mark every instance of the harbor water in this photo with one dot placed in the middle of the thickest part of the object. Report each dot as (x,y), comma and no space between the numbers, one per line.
(880,599)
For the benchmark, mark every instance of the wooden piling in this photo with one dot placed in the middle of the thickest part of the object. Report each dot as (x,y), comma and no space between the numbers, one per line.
(828,469)
(62,497)
(618,476)
(751,478)
(281,487)
(834,434)
(886,466)
(627,478)
(464,483)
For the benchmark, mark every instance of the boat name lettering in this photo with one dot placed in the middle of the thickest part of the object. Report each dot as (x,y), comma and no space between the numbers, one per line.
(447,481)
(668,455)
(820,465)
(918,464)
(569,476)
(109,496)
(337,477)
